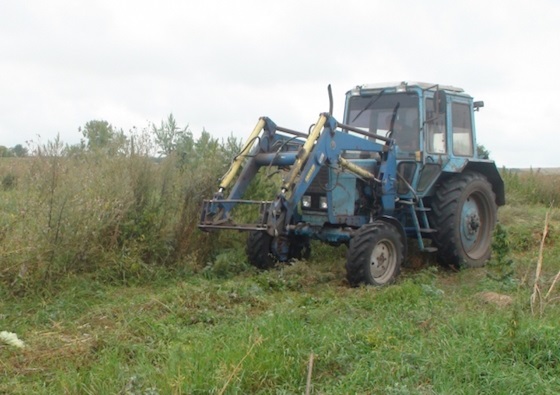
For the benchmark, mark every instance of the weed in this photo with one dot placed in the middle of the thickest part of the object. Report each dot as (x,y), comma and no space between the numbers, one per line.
(501,267)
(227,264)
(9,181)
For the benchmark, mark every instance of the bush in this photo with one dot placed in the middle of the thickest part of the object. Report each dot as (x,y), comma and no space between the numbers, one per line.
(9,181)
(114,212)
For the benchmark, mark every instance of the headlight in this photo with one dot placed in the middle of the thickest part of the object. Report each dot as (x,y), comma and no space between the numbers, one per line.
(323,202)
(306,201)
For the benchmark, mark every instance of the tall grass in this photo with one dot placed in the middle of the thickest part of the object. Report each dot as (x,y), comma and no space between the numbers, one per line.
(532,187)
(116,211)
(113,213)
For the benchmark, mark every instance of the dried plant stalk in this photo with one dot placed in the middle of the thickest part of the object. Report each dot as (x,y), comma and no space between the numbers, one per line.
(552,285)
(536,295)
(309,373)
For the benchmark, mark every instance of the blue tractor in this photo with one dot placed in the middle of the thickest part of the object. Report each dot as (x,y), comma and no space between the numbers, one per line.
(402,166)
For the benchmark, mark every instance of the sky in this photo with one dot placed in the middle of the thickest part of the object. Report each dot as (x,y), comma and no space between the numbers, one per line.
(220,65)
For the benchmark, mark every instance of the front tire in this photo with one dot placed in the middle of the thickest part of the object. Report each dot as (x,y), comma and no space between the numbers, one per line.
(375,255)
(300,248)
(264,251)
(258,250)
(464,212)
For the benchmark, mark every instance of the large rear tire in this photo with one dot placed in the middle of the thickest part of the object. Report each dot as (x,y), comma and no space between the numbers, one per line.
(464,213)
(375,255)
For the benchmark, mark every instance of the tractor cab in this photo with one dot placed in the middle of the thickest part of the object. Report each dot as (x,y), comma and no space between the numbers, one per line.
(431,124)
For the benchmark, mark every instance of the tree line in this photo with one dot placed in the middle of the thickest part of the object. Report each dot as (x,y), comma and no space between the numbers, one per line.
(17,150)
(102,137)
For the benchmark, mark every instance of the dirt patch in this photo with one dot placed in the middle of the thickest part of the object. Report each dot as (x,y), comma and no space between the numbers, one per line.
(494,298)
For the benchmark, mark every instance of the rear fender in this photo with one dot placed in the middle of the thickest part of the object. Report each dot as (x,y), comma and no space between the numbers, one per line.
(485,167)
(490,171)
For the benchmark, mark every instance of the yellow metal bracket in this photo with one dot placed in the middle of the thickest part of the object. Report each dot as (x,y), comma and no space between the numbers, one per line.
(234,168)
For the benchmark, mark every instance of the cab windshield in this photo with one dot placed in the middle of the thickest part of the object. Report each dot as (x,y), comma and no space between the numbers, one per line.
(387,114)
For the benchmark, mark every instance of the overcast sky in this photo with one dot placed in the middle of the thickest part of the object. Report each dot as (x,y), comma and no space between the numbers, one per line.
(219,65)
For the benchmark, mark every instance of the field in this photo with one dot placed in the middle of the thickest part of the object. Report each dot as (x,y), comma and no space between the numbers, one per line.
(113,291)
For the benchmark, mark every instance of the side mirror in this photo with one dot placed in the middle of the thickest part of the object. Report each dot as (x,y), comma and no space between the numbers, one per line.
(440,102)
(478,105)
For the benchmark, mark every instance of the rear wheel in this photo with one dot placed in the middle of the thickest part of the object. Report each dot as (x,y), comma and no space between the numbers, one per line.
(464,212)
(264,251)
(375,255)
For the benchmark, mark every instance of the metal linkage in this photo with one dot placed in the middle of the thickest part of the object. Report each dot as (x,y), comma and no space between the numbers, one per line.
(216,214)
(363,132)
(304,152)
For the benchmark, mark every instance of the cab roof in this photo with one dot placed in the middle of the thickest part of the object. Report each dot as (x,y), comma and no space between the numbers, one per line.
(410,84)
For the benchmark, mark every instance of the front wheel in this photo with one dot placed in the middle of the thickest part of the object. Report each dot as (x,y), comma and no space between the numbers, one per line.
(264,251)
(375,255)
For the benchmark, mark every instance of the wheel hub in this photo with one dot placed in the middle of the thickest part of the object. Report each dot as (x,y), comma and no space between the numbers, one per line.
(379,260)
(473,223)
(470,223)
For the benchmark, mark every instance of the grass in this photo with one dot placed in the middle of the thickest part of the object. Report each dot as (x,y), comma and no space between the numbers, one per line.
(431,333)
(114,292)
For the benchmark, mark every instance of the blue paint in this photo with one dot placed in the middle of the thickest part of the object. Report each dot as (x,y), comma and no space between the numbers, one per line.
(399,133)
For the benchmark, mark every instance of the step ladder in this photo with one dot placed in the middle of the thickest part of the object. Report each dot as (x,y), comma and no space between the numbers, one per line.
(418,214)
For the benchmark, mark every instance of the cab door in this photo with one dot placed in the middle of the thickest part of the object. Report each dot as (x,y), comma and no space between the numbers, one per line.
(435,144)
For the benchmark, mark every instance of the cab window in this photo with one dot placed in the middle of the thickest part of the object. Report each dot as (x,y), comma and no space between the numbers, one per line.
(435,130)
(462,129)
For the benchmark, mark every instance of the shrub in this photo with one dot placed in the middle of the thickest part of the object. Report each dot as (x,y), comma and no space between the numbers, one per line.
(501,266)
(9,181)
(114,212)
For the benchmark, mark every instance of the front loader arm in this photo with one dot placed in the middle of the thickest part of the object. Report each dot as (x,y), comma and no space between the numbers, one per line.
(265,147)
(322,147)
(328,152)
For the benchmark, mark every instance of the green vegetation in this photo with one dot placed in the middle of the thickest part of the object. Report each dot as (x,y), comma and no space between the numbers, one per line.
(17,150)
(106,280)
(106,208)
(532,187)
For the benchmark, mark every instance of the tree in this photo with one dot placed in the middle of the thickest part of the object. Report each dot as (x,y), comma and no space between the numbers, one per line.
(482,152)
(169,136)
(19,150)
(206,145)
(98,134)
(231,147)
(4,152)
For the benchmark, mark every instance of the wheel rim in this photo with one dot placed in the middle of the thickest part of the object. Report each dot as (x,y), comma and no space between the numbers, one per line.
(383,261)
(475,225)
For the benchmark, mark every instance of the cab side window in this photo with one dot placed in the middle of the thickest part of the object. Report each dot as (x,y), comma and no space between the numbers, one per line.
(462,130)
(435,130)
